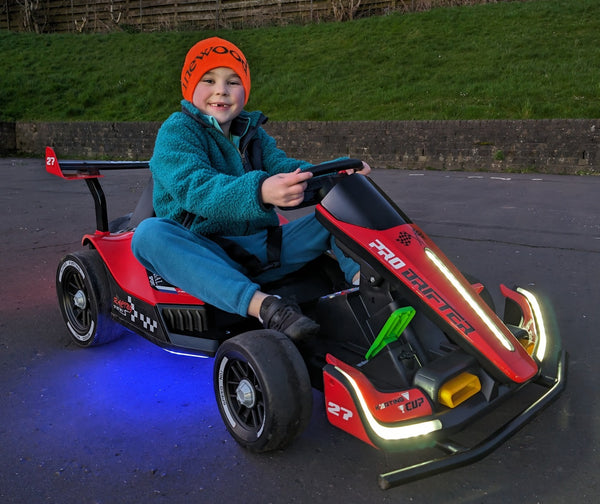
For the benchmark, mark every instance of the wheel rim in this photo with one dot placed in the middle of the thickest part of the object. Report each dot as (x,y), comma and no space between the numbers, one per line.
(75,300)
(243,395)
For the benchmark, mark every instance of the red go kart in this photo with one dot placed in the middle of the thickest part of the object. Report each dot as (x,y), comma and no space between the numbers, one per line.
(411,357)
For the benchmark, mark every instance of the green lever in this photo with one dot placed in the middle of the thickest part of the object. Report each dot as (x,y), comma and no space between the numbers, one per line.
(391,330)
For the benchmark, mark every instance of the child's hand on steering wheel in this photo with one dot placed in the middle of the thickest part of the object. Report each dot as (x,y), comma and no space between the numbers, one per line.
(285,189)
(365,170)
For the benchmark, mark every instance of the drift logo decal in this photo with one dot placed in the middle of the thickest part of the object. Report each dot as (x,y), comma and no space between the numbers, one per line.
(452,315)
(388,256)
(339,411)
(404,396)
(403,402)
(127,309)
(123,307)
(411,405)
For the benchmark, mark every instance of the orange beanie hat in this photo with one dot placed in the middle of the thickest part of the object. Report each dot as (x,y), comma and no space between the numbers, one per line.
(213,53)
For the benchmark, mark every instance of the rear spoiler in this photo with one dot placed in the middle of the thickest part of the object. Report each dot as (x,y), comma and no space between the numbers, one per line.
(90,172)
(79,170)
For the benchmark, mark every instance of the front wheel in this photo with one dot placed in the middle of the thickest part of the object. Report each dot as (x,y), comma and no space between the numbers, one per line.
(263,390)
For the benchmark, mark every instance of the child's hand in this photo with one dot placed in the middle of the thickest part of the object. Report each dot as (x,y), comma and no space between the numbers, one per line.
(366,169)
(285,189)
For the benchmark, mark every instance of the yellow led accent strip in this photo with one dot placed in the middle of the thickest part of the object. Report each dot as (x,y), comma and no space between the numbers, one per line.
(540,351)
(469,297)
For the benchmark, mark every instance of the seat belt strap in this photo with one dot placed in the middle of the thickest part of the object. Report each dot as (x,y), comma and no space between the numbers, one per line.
(249,261)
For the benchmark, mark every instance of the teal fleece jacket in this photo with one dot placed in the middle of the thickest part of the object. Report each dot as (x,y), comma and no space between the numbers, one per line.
(200,175)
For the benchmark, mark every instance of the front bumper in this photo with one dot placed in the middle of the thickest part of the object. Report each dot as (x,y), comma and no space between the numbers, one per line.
(458,455)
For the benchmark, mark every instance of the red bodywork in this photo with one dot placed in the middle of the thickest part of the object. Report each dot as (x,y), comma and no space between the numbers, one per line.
(402,251)
(129,274)
(385,407)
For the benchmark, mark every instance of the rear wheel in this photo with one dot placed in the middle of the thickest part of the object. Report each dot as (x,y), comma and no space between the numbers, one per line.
(263,390)
(84,299)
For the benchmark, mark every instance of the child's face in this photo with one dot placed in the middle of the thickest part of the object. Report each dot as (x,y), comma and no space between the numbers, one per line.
(220,94)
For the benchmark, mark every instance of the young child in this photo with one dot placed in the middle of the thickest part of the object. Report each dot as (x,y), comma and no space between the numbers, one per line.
(217,173)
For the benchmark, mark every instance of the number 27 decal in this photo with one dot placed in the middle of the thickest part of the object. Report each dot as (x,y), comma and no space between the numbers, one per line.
(337,410)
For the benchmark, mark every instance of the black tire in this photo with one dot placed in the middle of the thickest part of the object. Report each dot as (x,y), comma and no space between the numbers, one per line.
(84,299)
(263,390)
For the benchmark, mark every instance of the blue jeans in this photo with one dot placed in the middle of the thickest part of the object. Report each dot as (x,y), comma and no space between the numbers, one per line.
(201,268)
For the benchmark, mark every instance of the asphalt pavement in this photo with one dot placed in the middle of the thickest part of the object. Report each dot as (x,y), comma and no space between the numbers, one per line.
(130,423)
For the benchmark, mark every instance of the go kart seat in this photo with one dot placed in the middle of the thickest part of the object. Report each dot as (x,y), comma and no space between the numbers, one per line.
(144,207)
(143,210)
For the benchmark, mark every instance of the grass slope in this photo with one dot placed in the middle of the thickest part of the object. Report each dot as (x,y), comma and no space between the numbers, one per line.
(510,60)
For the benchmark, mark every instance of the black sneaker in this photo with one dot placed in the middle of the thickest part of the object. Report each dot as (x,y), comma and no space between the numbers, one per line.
(286,317)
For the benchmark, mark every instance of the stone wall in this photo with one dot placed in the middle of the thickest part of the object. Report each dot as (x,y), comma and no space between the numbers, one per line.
(87,140)
(550,146)
(8,141)
(545,146)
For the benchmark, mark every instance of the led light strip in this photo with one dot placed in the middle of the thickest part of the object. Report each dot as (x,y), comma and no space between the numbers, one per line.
(391,433)
(470,299)
(184,354)
(540,351)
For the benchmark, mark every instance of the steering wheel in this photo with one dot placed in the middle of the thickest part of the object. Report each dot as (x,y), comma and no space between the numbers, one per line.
(325,176)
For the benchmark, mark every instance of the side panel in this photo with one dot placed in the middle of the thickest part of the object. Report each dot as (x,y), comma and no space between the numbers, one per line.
(341,410)
(137,316)
(387,407)
(130,275)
